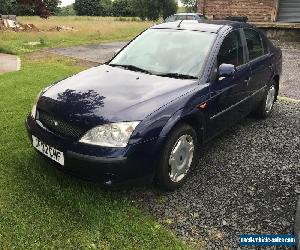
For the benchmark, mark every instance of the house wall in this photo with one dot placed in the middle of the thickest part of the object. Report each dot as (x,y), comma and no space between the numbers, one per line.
(255,10)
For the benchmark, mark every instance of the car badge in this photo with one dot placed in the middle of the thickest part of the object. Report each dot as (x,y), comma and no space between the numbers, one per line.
(56,123)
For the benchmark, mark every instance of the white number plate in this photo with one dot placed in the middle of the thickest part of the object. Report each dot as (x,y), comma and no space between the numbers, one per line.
(49,151)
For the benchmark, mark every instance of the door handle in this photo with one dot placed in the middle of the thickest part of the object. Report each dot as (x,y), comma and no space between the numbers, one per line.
(247,80)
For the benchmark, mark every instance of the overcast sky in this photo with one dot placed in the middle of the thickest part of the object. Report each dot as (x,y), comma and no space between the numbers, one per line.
(66,2)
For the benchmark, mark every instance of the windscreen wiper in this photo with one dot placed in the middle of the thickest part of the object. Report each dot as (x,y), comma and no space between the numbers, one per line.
(132,68)
(179,76)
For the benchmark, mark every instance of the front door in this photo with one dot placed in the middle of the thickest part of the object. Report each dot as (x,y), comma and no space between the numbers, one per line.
(228,95)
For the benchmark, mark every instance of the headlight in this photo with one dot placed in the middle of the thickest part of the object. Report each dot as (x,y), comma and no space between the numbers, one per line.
(115,135)
(34,107)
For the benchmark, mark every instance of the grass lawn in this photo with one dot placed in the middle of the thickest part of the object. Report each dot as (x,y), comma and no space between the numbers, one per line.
(41,207)
(88,30)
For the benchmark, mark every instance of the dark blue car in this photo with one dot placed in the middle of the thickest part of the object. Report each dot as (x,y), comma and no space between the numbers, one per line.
(147,112)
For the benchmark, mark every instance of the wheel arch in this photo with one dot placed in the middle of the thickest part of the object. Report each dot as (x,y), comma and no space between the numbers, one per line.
(195,119)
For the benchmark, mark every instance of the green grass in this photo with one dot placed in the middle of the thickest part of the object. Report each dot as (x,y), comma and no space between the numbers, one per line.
(87,30)
(41,207)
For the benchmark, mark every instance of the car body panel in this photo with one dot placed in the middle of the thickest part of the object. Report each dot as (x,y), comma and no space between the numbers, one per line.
(226,95)
(106,98)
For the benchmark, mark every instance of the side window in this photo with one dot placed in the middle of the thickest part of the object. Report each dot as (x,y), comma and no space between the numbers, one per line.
(266,46)
(254,44)
(231,51)
(190,18)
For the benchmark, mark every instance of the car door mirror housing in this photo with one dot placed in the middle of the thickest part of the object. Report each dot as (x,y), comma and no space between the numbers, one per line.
(226,70)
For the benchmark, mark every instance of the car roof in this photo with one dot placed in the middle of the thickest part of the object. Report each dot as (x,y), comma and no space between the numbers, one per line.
(204,26)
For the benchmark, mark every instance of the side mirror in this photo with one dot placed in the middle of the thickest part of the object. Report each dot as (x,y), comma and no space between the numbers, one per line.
(226,70)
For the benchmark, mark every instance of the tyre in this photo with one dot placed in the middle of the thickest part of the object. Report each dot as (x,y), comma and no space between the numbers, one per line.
(266,106)
(179,156)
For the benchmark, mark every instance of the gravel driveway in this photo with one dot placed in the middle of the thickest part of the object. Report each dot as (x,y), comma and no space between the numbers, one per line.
(98,53)
(245,183)
(290,81)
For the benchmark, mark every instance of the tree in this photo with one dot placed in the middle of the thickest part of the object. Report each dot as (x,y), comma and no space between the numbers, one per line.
(121,8)
(7,6)
(87,7)
(190,5)
(168,8)
(93,7)
(52,6)
(105,8)
(43,8)
(66,11)
(153,9)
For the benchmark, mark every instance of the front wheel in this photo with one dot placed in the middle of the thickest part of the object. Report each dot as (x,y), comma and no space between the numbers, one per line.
(266,106)
(179,156)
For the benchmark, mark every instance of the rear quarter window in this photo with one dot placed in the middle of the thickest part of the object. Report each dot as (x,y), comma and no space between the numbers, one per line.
(266,45)
(254,44)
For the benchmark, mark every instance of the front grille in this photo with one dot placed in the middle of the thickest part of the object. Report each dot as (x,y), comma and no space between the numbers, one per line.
(60,127)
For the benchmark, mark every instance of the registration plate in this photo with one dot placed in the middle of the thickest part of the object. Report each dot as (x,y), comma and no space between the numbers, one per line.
(49,151)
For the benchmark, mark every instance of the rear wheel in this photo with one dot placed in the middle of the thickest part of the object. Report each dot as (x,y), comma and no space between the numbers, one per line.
(266,106)
(179,156)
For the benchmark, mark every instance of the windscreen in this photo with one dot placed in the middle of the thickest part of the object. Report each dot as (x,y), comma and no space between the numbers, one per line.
(165,51)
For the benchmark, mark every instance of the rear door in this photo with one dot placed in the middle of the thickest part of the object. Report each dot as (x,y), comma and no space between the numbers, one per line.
(229,94)
(260,62)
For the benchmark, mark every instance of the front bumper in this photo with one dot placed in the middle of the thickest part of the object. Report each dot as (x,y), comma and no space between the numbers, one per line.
(108,166)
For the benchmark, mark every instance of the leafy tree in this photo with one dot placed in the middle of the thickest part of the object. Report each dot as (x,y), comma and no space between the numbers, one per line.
(7,6)
(121,8)
(44,8)
(87,7)
(139,8)
(190,5)
(153,9)
(52,6)
(93,7)
(168,8)
(66,11)
(105,8)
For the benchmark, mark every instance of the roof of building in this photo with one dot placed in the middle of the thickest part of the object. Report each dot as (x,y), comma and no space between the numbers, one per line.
(205,26)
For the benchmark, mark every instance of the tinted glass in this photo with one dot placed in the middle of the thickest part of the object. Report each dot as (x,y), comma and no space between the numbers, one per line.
(254,44)
(266,46)
(171,19)
(190,18)
(181,17)
(168,51)
(231,51)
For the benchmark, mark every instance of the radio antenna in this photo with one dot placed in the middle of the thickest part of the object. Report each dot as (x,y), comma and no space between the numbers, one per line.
(180,23)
